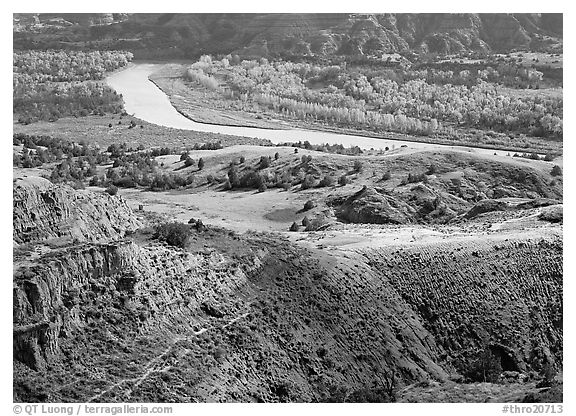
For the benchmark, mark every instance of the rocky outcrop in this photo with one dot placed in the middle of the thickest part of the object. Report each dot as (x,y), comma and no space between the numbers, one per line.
(66,291)
(43,210)
(369,206)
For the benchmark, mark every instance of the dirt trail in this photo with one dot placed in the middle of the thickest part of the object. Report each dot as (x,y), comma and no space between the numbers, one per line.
(155,364)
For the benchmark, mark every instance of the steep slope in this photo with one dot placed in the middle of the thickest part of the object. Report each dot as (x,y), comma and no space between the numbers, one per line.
(43,210)
(256,318)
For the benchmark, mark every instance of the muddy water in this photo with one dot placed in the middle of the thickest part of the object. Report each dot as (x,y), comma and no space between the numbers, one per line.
(146,101)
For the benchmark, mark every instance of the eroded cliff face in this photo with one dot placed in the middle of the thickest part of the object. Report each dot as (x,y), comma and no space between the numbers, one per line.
(68,290)
(43,210)
(256,318)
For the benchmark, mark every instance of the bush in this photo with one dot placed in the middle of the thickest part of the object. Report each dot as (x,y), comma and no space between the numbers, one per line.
(242,159)
(294,227)
(175,234)
(358,166)
(417,177)
(309,205)
(184,156)
(486,368)
(556,171)
(327,181)
(262,187)
(264,162)
(276,156)
(112,190)
(431,169)
(387,175)
(308,182)
(316,223)
(549,157)
(201,163)
(343,180)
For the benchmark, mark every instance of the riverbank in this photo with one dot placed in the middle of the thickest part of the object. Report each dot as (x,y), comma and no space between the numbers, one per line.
(115,129)
(198,107)
(208,107)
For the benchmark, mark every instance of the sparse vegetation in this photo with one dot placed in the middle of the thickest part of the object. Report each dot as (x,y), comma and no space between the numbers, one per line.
(556,171)
(175,234)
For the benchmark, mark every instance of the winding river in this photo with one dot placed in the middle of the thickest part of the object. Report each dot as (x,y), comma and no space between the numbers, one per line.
(145,100)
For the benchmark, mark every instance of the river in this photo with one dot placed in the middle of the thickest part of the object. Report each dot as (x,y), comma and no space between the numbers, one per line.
(143,99)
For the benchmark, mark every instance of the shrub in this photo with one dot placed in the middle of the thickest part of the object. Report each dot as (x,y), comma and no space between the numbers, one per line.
(556,171)
(486,368)
(242,159)
(184,156)
(387,175)
(264,162)
(125,182)
(294,227)
(327,181)
(343,180)
(308,182)
(358,166)
(549,157)
(276,156)
(262,187)
(316,223)
(201,163)
(417,177)
(175,234)
(309,205)
(305,221)
(112,190)
(431,169)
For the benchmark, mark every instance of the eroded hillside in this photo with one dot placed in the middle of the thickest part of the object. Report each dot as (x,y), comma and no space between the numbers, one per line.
(260,317)
(295,34)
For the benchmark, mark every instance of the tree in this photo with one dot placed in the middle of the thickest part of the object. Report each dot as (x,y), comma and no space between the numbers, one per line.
(343,180)
(242,159)
(200,163)
(556,171)
(262,187)
(358,166)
